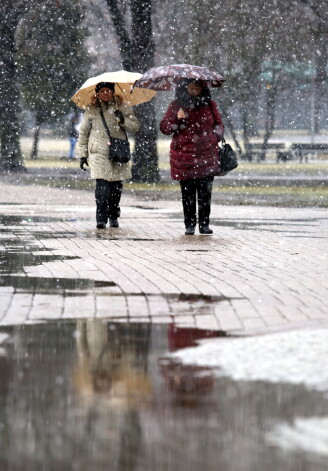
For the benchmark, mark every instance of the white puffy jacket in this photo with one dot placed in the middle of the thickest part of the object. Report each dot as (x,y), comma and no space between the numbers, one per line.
(93,140)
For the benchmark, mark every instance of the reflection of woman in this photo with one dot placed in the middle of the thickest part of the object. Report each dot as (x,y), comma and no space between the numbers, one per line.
(112,362)
(190,382)
(112,381)
(93,145)
(195,122)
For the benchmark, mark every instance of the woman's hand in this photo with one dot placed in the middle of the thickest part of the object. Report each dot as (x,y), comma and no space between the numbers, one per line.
(83,161)
(119,116)
(181,114)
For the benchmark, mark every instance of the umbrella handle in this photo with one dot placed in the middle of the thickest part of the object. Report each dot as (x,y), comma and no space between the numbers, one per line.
(115,102)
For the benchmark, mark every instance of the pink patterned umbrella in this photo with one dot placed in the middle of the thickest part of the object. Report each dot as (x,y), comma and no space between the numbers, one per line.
(168,77)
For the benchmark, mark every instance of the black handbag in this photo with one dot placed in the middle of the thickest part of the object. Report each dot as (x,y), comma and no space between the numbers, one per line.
(119,149)
(228,158)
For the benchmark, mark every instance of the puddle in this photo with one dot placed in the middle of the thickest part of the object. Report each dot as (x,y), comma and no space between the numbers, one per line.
(53,285)
(11,220)
(149,208)
(265,224)
(90,395)
(25,251)
(16,255)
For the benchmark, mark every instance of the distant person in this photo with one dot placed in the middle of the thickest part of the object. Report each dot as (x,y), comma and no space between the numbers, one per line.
(93,149)
(195,122)
(73,135)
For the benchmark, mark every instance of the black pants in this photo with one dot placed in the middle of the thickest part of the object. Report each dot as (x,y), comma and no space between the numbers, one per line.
(108,196)
(202,188)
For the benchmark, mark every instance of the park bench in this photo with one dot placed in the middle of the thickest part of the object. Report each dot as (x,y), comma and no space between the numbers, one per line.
(302,151)
(255,150)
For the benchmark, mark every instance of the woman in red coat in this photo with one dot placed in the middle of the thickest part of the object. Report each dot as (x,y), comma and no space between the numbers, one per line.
(195,122)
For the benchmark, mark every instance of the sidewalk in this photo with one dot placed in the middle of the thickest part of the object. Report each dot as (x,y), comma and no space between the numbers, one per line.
(264,269)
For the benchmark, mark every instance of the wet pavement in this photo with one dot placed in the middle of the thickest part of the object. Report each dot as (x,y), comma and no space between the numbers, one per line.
(264,268)
(89,321)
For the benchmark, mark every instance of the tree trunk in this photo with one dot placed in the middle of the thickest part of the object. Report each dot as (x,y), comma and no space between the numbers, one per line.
(320,81)
(34,153)
(245,128)
(145,160)
(137,54)
(271,95)
(11,158)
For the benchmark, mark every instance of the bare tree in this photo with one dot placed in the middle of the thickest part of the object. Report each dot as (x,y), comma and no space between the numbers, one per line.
(51,48)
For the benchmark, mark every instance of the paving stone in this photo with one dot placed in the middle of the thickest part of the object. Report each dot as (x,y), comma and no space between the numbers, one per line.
(158,305)
(111,306)
(207,322)
(18,311)
(79,307)
(137,306)
(46,307)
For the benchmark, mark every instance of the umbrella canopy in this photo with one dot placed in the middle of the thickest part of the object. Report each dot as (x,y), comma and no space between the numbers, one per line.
(168,77)
(123,80)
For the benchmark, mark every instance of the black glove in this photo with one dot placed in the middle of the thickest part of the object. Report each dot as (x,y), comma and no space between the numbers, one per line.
(83,161)
(119,117)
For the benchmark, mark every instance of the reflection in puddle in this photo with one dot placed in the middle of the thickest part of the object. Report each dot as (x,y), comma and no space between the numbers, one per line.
(183,337)
(90,395)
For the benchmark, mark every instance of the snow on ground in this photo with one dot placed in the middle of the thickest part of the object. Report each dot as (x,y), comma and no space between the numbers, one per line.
(310,435)
(298,357)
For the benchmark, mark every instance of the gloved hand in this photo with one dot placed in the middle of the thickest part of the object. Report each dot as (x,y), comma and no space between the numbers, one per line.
(83,161)
(119,117)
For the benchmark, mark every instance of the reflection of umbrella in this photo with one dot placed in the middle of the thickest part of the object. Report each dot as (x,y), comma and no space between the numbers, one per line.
(123,86)
(168,77)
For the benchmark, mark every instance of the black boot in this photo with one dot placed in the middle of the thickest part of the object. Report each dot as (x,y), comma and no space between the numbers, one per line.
(190,230)
(205,230)
(113,223)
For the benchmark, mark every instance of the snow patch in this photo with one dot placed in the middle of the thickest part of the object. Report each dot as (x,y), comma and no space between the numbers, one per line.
(298,357)
(310,435)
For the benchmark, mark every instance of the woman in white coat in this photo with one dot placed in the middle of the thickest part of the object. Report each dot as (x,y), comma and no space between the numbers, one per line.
(94,150)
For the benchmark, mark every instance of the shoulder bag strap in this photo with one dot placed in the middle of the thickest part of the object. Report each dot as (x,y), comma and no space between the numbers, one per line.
(104,123)
(106,127)
(210,105)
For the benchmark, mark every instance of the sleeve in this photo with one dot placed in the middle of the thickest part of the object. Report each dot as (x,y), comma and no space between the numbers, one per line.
(170,122)
(218,123)
(84,134)
(131,124)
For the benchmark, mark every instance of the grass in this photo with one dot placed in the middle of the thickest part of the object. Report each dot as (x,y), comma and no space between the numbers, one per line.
(51,150)
(316,168)
(306,192)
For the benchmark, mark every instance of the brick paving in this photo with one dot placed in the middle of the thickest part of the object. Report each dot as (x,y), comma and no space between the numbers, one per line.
(264,269)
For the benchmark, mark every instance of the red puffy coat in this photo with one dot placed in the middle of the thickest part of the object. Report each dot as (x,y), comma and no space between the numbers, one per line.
(194,146)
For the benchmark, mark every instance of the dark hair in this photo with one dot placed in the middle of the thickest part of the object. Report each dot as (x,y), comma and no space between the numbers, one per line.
(186,100)
(101,85)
